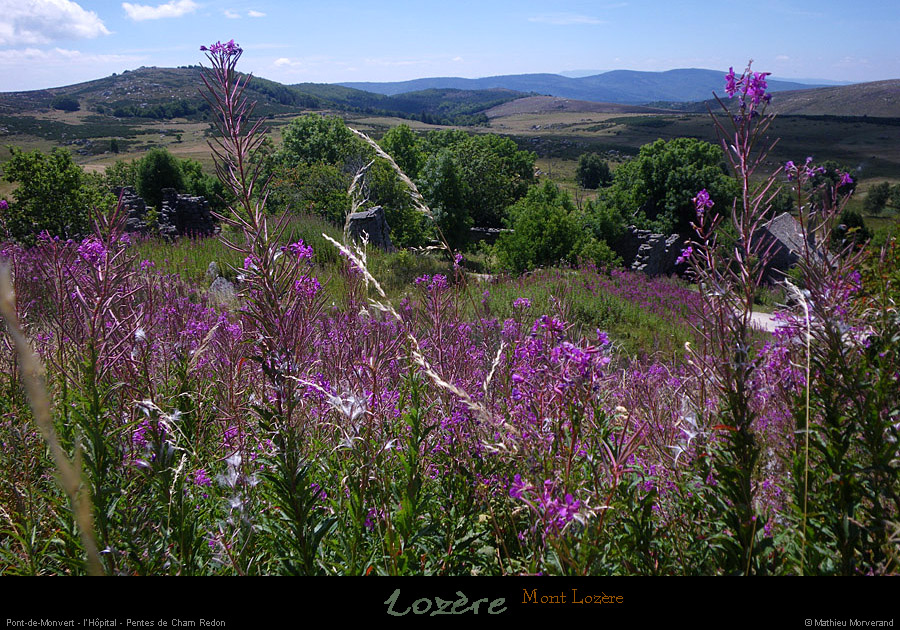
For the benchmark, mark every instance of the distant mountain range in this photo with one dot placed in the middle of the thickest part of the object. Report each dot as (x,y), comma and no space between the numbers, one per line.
(616,86)
(172,93)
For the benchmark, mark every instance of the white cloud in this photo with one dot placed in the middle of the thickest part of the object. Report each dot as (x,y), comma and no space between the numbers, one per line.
(457,59)
(255,14)
(174,8)
(34,68)
(232,15)
(284,61)
(565,19)
(57,55)
(43,21)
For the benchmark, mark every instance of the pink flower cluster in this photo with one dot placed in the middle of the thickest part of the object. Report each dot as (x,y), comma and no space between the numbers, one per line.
(229,49)
(750,86)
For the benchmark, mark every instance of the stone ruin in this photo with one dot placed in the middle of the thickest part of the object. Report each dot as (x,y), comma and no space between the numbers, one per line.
(657,254)
(373,223)
(179,215)
(785,235)
(649,253)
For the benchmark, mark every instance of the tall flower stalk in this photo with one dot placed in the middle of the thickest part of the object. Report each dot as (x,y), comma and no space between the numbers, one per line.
(283,295)
(730,274)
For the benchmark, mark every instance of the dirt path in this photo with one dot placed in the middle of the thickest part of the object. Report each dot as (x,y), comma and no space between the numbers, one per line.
(764,321)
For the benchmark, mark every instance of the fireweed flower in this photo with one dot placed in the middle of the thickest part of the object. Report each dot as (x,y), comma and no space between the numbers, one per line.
(229,49)
(522,303)
(299,249)
(201,478)
(91,251)
(845,179)
(702,202)
(730,83)
(685,255)
(750,86)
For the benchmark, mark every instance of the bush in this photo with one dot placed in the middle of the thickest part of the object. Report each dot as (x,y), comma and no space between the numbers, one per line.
(545,230)
(877,198)
(66,104)
(54,194)
(592,171)
(158,169)
(658,186)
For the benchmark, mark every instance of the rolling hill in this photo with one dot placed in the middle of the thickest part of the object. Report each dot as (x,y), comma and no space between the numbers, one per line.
(616,86)
(166,93)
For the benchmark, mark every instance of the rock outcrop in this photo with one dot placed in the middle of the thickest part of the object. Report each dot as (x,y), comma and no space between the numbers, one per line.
(374,225)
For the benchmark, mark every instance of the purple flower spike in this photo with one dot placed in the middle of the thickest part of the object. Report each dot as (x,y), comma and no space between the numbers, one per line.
(702,202)
(730,83)
(229,49)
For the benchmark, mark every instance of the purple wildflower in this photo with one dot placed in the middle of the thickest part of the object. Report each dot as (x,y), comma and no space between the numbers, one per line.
(229,49)
(307,286)
(756,87)
(522,303)
(685,255)
(92,251)
(4,205)
(201,478)
(730,83)
(845,179)
(298,249)
(702,202)
(790,169)
(749,86)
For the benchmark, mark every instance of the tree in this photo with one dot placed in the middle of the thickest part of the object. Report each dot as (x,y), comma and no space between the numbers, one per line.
(121,173)
(495,172)
(544,230)
(402,144)
(851,230)
(318,188)
(158,169)
(877,198)
(655,190)
(446,190)
(315,138)
(201,184)
(53,194)
(895,196)
(592,171)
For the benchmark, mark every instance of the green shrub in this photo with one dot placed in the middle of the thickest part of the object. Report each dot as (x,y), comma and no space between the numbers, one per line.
(66,103)
(545,230)
(53,194)
(158,169)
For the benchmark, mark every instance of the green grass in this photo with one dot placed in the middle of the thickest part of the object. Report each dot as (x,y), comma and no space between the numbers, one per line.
(190,257)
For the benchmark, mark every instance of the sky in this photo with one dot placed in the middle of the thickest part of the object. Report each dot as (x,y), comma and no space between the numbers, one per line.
(53,43)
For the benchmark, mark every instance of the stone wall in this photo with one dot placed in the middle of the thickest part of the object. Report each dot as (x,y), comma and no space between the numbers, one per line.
(179,215)
(649,253)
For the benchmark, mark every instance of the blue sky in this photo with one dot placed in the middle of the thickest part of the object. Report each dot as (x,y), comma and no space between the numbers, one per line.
(49,43)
